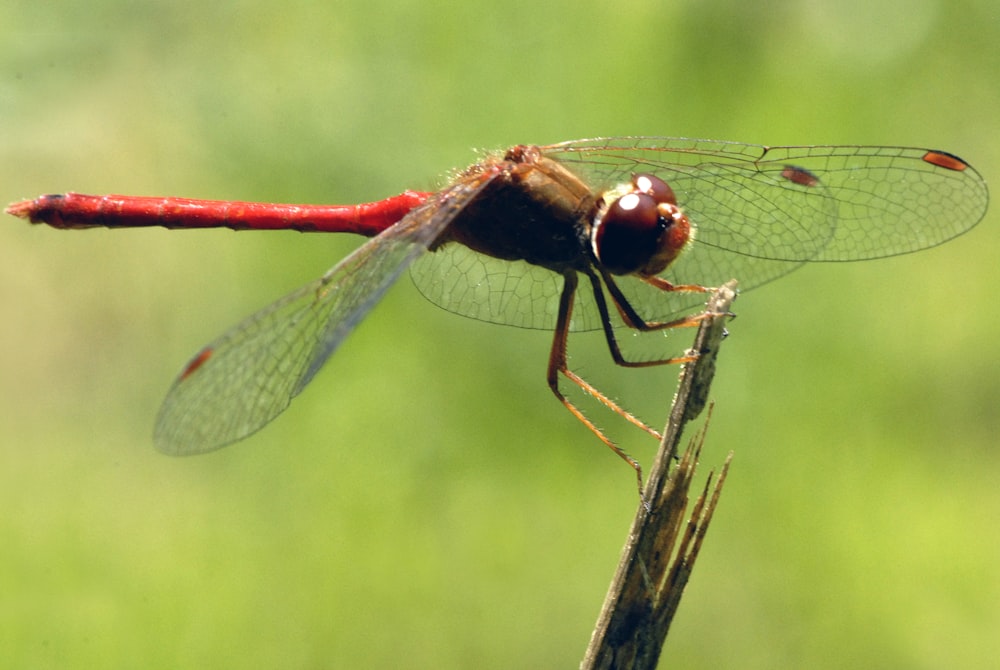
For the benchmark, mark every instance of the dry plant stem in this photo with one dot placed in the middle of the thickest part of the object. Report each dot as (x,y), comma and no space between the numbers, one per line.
(651,576)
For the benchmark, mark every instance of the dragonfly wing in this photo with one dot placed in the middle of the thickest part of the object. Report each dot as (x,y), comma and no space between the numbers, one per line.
(249,375)
(784,203)
(760,212)
(890,200)
(513,293)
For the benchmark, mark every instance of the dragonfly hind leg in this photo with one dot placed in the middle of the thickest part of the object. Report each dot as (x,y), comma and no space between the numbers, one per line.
(558,366)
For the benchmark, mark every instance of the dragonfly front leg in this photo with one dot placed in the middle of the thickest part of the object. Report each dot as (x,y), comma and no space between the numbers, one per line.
(633,320)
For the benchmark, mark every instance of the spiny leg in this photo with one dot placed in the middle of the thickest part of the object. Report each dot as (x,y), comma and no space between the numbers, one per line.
(664,285)
(585,385)
(558,364)
(633,320)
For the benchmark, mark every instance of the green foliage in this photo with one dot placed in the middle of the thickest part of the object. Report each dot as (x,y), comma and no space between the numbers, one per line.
(427,503)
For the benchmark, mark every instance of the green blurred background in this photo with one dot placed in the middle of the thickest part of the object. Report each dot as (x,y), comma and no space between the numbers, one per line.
(427,503)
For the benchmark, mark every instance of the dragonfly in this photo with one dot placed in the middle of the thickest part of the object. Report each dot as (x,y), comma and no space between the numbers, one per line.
(613,234)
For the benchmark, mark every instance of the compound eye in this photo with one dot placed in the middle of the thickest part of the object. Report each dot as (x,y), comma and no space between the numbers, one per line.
(627,234)
(635,211)
(653,186)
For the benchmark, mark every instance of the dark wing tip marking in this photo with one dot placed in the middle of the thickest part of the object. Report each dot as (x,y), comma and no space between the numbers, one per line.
(945,160)
(196,363)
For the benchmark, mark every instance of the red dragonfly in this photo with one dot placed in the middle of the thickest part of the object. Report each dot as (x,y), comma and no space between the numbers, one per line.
(511,235)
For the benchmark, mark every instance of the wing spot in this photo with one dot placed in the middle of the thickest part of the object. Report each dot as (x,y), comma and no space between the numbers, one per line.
(197,362)
(800,176)
(945,160)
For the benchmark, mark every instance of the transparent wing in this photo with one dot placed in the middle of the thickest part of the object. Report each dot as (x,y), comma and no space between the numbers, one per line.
(758,212)
(244,379)
(512,293)
(862,202)
(761,212)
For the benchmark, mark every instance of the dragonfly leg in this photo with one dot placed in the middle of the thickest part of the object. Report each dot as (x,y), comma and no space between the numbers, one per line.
(633,320)
(558,365)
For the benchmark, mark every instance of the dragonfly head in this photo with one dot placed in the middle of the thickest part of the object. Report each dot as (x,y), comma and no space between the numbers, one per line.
(641,230)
